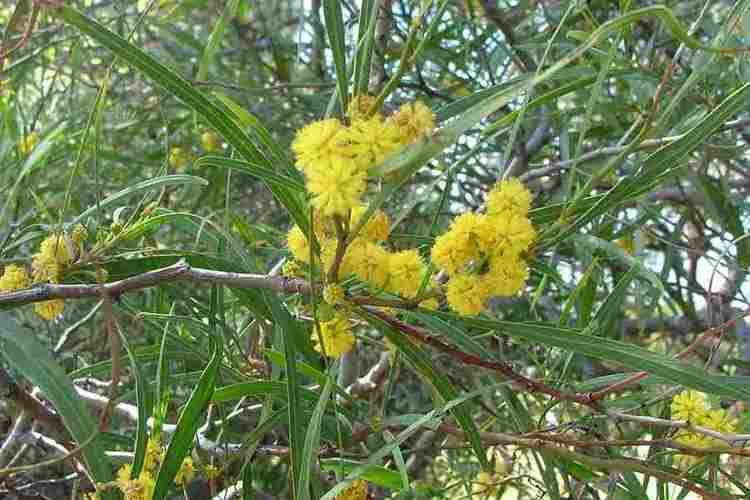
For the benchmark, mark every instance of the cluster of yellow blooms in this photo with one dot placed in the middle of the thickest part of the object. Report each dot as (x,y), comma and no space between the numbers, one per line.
(335,157)
(26,145)
(483,253)
(692,407)
(55,253)
(142,487)
(356,491)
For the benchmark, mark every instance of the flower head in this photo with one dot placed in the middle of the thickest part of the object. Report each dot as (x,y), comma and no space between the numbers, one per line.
(53,255)
(336,186)
(377,227)
(316,142)
(414,120)
(369,141)
(356,491)
(49,309)
(509,196)
(361,106)
(406,269)
(298,244)
(14,278)
(690,406)
(211,471)
(210,142)
(334,338)
(507,274)
(467,293)
(27,144)
(154,454)
(455,249)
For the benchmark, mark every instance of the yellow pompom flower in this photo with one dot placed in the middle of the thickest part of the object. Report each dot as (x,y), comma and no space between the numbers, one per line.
(53,255)
(467,293)
(507,275)
(336,186)
(49,309)
(509,196)
(369,141)
(178,158)
(334,338)
(455,249)
(378,226)
(414,120)
(186,472)
(210,142)
(317,141)
(298,244)
(14,278)
(141,488)
(356,491)
(511,235)
(689,405)
(369,261)
(27,144)
(407,270)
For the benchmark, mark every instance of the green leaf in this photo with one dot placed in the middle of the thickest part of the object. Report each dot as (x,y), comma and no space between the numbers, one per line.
(375,474)
(258,171)
(312,440)
(628,355)
(24,354)
(214,41)
(141,435)
(422,364)
(188,423)
(214,115)
(334,21)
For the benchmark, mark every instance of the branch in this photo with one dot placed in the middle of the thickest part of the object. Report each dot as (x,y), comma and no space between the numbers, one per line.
(180,271)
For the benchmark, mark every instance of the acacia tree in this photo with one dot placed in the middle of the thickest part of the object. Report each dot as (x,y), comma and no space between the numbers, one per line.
(428,249)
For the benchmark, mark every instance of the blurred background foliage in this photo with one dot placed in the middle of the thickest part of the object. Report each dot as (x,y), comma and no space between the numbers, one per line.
(686,236)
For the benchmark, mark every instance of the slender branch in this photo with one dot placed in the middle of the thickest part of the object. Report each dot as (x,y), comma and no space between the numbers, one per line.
(425,337)
(176,272)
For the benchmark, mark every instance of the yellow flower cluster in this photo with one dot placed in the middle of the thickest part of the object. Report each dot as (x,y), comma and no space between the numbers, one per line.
(141,488)
(334,338)
(14,278)
(693,407)
(356,491)
(27,144)
(55,253)
(483,253)
(335,157)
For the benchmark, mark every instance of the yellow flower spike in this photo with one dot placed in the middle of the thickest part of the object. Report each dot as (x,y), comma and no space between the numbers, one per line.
(178,158)
(334,337)
(407,270)
(414,120)
(509,196)
(154,454)
(467,293)
(49,309)
(210,142)
(186,472)
(298,244)
(317,142)
(356,491)
(333,294)
(27,144)
(14,278)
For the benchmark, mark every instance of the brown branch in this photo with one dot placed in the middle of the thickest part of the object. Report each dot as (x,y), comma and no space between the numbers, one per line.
(176,272)
(425,337)
(710,334)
